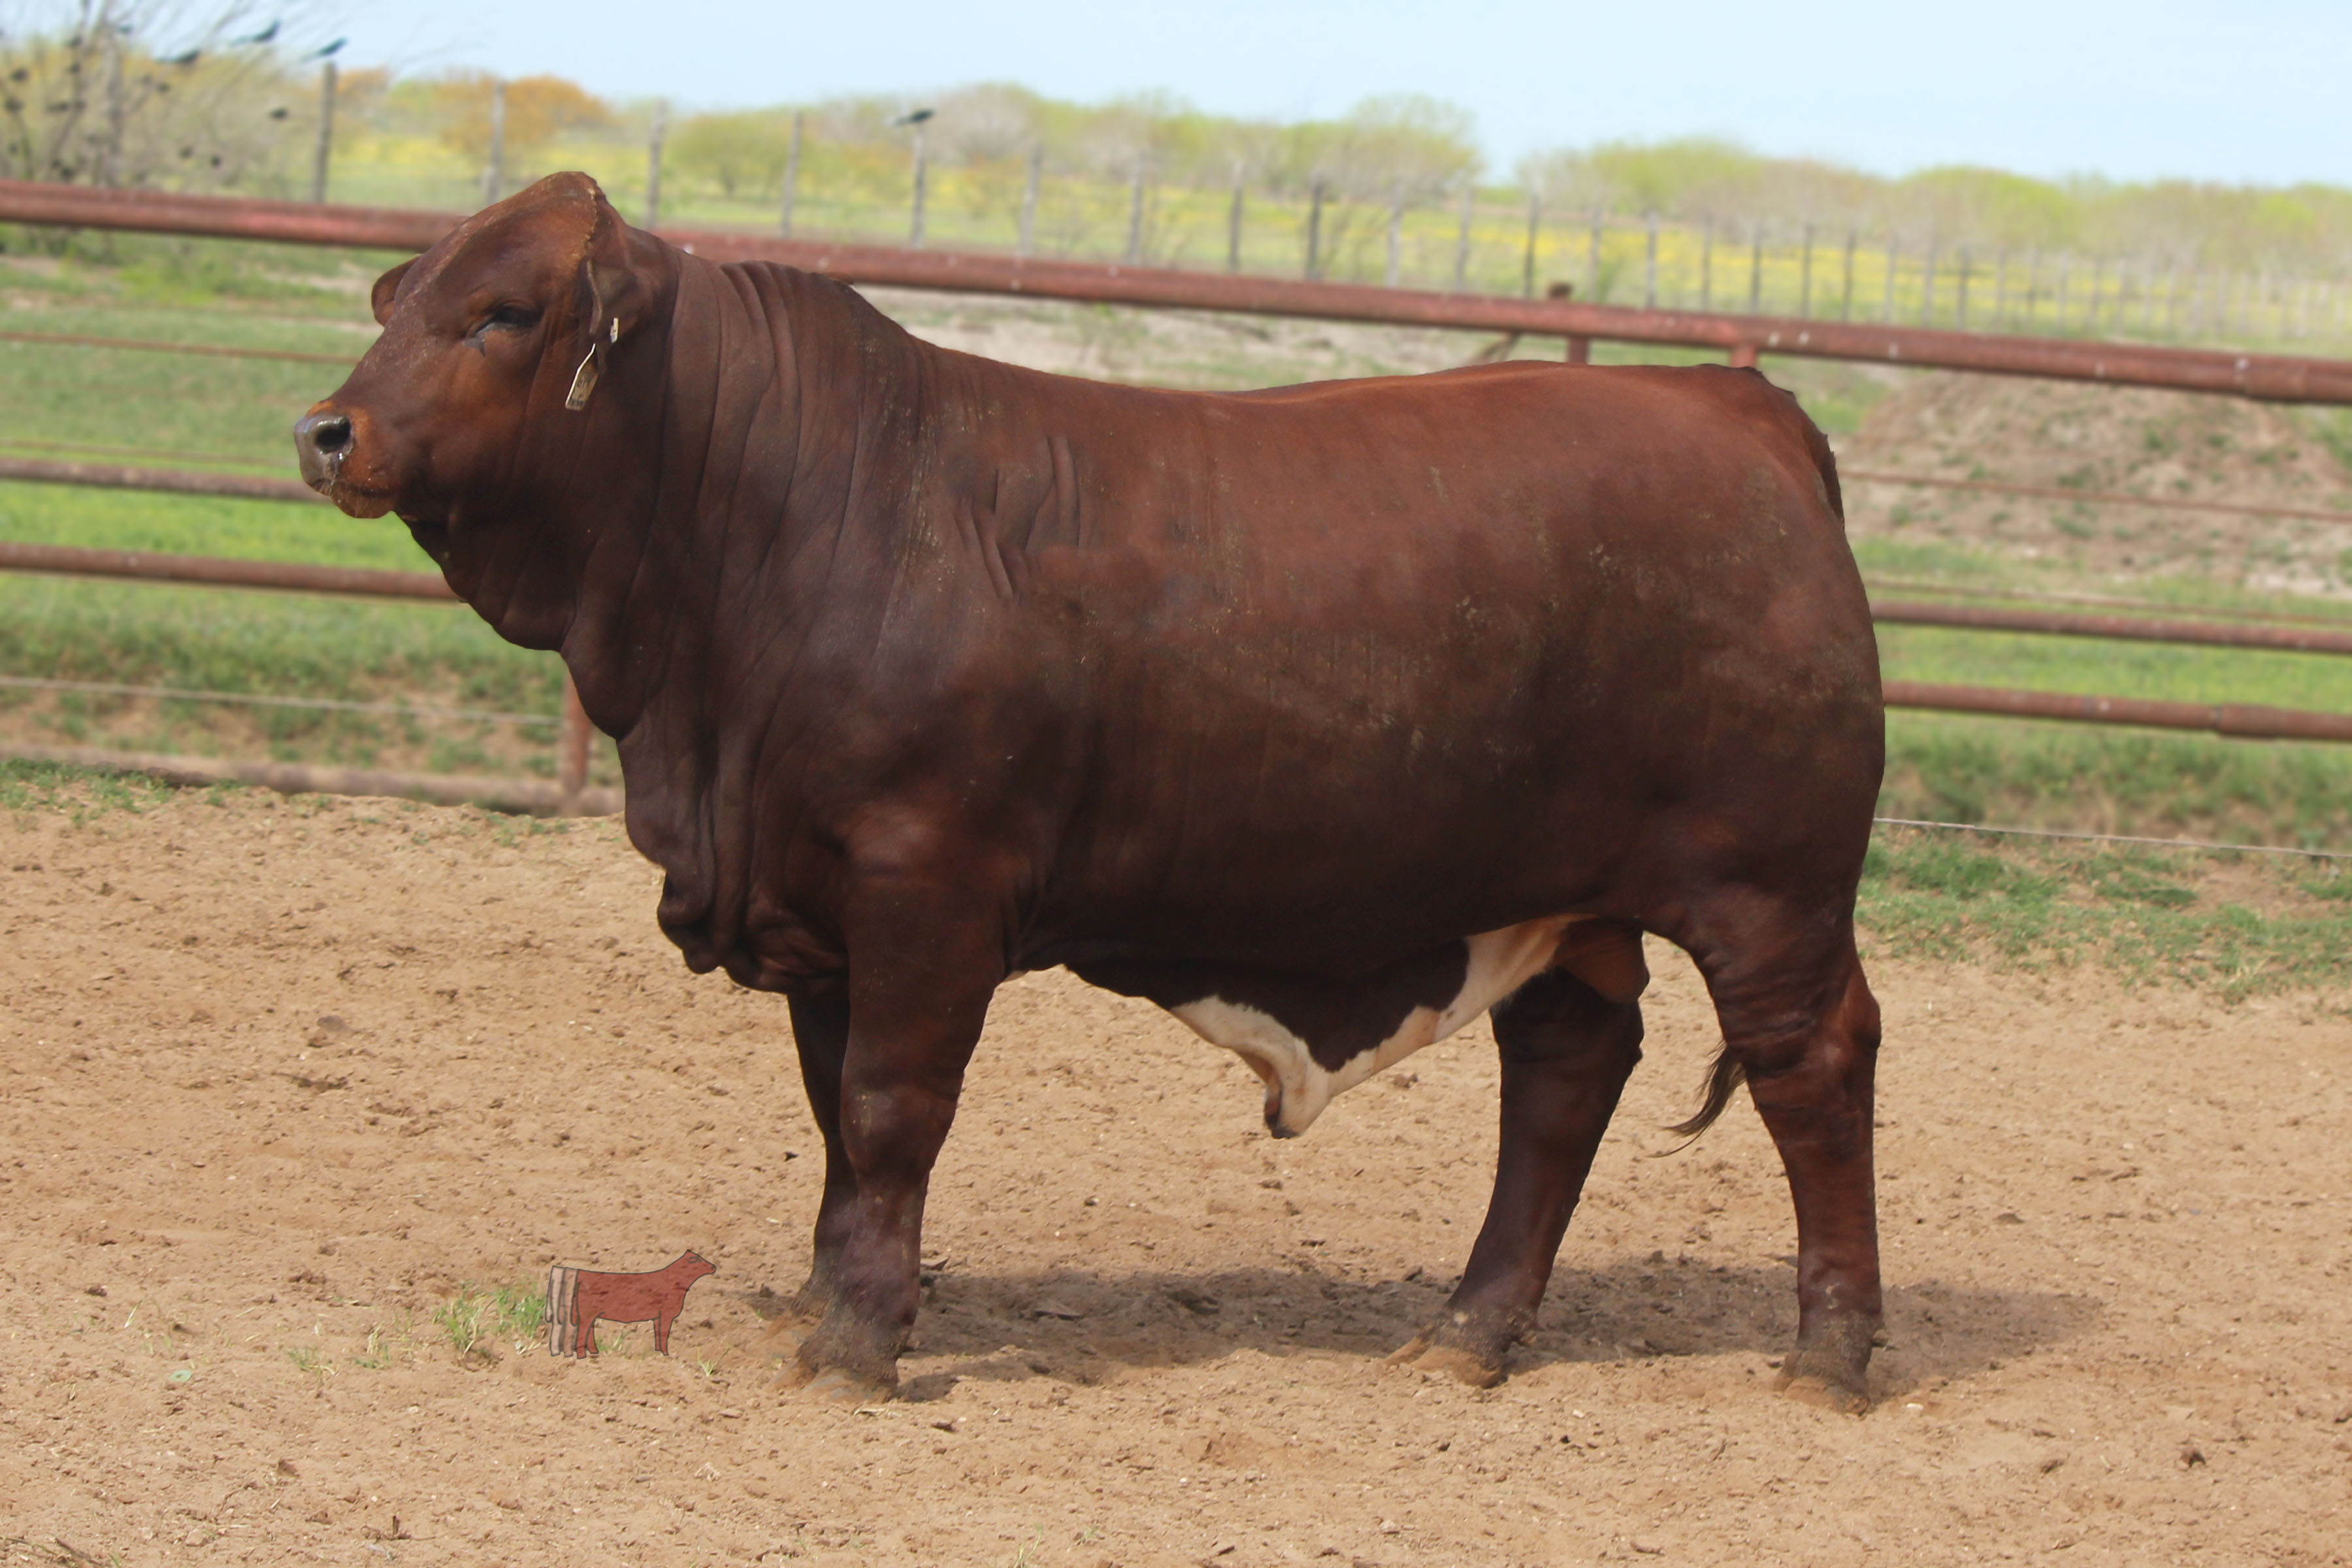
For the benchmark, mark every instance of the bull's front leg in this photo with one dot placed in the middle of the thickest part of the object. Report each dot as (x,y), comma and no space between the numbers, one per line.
(921,976)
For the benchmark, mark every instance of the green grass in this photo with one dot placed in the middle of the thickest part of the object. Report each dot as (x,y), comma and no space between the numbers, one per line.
(2238,925)
(512,1316)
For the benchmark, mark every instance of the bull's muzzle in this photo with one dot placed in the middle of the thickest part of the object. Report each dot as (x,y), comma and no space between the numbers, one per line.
(322,441)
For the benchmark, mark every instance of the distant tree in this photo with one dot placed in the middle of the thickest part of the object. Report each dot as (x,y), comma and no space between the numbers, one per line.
(150,92)
(538,110)
(743,154)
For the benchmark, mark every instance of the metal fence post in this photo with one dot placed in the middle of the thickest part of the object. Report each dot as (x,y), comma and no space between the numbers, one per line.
(654,162)
(494,173)
(325,133)
(792,177)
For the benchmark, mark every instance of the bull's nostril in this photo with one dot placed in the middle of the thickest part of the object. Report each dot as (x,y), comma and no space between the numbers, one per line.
(330,433)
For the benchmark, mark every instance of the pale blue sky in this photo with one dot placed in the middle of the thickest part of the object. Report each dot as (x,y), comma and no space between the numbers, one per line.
(2252,90)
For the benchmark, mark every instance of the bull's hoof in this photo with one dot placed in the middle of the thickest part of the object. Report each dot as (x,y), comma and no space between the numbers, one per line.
(1425,1353)
(838,1385)
(1833,1372)
(1823,1395)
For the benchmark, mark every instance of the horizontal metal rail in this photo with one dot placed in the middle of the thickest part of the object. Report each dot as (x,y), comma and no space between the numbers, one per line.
(2105,601)
(536,797)
(2242,721)
(2239,721)
(2274,377)
(2093,498)
(2131,628)
(171,482)
(218,571)
(158,346)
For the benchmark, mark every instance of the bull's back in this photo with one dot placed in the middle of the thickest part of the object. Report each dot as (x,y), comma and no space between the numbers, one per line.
(1527,614)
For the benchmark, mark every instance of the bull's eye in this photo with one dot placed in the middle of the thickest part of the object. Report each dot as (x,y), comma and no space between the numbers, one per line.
(508,318)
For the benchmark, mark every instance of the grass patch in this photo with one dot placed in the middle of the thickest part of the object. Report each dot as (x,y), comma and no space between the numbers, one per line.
(2237,924)
(476,1319)
(2020,772)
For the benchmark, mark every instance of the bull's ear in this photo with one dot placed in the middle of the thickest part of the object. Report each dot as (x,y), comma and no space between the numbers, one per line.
(616,290)
(387,287)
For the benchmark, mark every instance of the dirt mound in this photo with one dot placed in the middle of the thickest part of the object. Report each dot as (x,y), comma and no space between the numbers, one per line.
(275,1078)
(2107,440)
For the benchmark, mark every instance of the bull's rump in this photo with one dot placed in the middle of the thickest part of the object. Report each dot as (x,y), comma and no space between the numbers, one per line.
(1458,640)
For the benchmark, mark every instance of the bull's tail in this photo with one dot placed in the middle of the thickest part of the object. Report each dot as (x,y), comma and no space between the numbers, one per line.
(1722,1080)
(562,1310)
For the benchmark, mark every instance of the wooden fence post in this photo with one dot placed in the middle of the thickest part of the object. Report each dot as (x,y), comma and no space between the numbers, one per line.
(1805,277)
(1527,259)
(325,133)
(1462,239)
(1027,237)
(791,176)
(654,162)
(919,119)
(1396,234)
(494,173)
(1315,229)
(1233,225)
(1134,210)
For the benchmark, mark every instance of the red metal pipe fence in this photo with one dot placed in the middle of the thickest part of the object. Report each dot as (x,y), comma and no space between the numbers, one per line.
(2275,377)
(1740,338)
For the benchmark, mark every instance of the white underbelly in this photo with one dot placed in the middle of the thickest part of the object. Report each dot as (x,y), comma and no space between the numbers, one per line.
(1298,1087)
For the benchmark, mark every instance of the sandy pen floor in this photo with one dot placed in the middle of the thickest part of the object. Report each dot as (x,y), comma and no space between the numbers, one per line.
(277,1077)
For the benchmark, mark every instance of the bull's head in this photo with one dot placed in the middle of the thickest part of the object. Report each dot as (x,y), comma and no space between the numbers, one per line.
(470,416)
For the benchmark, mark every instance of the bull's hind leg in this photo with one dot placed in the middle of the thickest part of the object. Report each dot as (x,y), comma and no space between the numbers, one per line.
(821,1034)
(1800,1026)
(1567,1050)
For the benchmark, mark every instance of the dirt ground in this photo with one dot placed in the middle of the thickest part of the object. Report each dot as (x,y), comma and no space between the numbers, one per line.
(277,1077)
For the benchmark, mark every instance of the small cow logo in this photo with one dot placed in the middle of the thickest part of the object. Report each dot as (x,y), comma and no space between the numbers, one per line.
(576,1297)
